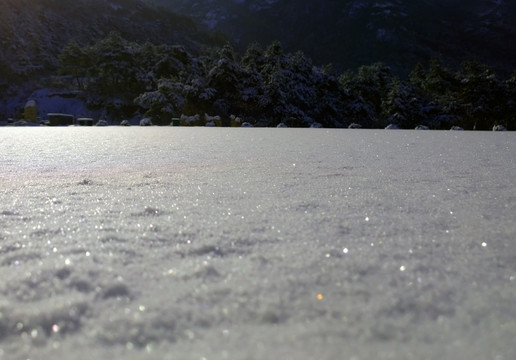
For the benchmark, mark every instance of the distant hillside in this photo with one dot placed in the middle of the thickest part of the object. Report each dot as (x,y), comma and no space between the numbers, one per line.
(350,33)
(33,32)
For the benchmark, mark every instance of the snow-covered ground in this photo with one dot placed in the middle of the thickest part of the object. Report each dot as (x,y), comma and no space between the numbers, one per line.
(47,101)
(195,243)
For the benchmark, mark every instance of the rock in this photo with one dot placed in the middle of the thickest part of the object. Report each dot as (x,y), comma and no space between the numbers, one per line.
(499,128)
(456,128)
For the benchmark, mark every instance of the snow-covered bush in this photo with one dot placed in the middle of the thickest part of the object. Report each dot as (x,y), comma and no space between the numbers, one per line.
(216,120)
(235,120)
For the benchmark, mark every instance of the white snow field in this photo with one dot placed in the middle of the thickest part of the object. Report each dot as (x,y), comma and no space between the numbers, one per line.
(206,244)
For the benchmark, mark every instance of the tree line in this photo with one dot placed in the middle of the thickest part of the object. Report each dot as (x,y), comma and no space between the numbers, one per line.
(266,86)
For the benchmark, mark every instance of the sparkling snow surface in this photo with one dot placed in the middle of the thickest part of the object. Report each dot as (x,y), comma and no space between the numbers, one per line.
(194,243)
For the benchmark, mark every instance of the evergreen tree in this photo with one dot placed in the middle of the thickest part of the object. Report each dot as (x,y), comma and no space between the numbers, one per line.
(439,79)
(403,106)
(115,64)
(417,77)
(365,92)
(76,62)
(440,87)
(224,75)
(509,104)
(329,107)
(479,93)
(254,58)
(163,103)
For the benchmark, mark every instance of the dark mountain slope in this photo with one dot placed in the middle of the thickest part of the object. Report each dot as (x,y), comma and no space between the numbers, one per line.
(351,33)
(33,32)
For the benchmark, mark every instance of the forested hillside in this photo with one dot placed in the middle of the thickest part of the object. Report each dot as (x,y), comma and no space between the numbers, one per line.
(124,59)
(352,33)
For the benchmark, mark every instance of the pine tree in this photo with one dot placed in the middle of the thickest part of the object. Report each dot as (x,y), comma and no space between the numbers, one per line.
(479,93)
(224,75)
(76,62)
(509,104)
(365,92)
(329,105)
(163,103)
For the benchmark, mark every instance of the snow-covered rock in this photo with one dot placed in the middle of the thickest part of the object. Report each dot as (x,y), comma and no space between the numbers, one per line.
(145,122)
(246,125)
(422,127)
(316,125)
(125,123)
(102,123)
(392,127)
(282,125)
(456,128)
(354,126)
(499,128)
(20,123)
